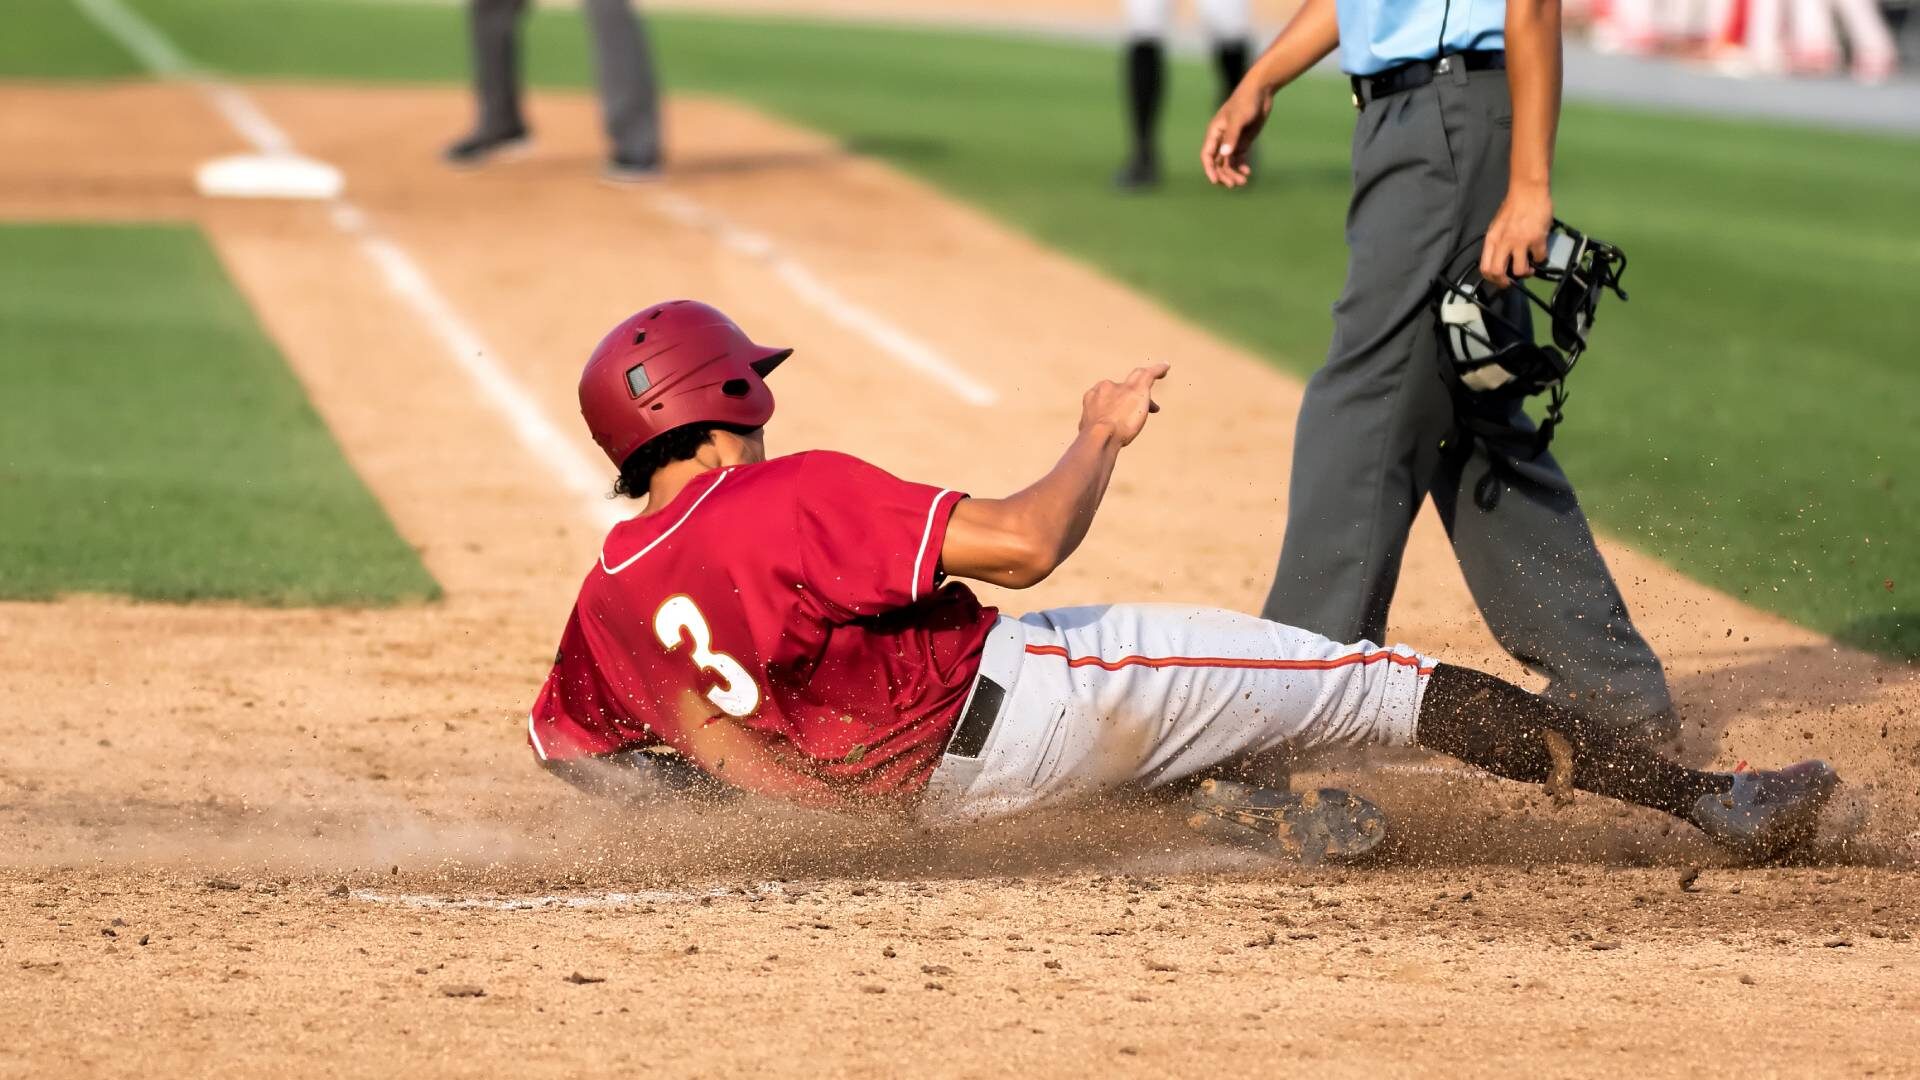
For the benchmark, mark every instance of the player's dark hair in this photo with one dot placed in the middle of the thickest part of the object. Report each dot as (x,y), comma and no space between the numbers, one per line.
(676,444)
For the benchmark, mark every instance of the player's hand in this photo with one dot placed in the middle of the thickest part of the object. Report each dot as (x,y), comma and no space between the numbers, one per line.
(1122,407)
(1517,239)
(1223,154)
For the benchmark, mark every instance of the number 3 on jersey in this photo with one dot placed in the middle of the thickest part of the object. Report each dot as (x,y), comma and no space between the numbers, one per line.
(737,695)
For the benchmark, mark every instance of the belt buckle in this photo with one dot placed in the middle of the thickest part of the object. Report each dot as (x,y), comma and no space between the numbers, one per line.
(1444,67)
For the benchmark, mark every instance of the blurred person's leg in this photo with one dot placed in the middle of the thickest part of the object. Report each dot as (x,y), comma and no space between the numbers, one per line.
(1708,20)
(495,25)
(1813,47)
(629,95)
(494,28)
(1765,30)
(1869,41)
(1230,33)
(1678,23)
(1727,30)
(1144,73)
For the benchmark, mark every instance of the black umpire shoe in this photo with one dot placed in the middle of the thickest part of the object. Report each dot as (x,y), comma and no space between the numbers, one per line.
(1309,827)
(479,148)
(622,169)
(1140,173)
(1767,813)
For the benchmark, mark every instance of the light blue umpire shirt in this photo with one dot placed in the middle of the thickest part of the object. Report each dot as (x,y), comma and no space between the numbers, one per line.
(1378,34)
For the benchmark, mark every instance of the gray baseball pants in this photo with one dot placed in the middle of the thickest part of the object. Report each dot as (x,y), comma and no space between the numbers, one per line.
(1376,433)
(629,99)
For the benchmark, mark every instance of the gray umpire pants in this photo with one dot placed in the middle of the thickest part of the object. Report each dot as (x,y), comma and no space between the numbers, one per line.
(1376,433)
(629,99)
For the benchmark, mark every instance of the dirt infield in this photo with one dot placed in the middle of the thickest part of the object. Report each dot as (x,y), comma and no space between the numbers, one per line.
(239,841)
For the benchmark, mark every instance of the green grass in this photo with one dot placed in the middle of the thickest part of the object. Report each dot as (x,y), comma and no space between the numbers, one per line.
(51,39)
(1750,417)
(154,444)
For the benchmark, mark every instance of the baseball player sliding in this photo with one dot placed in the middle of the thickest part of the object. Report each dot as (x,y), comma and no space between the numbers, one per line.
(787,626)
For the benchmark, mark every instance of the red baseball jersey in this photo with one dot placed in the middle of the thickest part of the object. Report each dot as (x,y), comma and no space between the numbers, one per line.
(799,598)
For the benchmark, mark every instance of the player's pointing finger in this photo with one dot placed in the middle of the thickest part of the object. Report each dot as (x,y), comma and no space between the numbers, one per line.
(1148,374)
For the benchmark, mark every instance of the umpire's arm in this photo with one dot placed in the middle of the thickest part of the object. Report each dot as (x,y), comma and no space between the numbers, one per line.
(1517,239)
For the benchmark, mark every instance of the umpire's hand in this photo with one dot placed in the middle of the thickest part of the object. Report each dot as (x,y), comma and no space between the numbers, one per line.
(1517,239)
(1223,155)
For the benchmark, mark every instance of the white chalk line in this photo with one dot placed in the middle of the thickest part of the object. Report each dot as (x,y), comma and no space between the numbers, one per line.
(577,901)
(584,476)
(139,37)
(883,334)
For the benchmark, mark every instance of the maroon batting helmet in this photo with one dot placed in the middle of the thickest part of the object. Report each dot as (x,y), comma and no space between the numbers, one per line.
(669,365)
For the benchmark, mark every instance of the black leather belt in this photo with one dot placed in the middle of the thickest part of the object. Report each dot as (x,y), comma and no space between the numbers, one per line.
(970,734)
(1419,73)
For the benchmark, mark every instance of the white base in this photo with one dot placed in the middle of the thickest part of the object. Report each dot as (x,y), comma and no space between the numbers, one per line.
(268,176)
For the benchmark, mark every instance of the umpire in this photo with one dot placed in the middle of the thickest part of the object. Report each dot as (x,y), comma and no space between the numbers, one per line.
(1454,139)
(629,99)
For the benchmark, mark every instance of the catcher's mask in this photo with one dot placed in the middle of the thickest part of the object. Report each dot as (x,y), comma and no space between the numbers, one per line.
(1490,355)
(1486,335)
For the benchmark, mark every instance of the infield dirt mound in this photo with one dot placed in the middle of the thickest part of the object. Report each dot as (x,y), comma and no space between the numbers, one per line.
(221,781)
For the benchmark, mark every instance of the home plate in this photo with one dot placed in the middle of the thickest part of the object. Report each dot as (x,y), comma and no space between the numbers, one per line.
(268,176)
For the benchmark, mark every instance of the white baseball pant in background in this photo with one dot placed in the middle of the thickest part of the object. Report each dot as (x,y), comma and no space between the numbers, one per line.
(1224,20)
(1138,695)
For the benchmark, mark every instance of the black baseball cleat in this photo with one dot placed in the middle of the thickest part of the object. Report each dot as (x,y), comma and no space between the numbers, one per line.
(1311,827)
(479,148)
(1140,173)
(1768,813)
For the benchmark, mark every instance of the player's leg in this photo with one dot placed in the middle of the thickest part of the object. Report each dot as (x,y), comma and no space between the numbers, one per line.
(1144,77)
(1869,40)
(629,96)
(1509,732)
(1130,696)
(494,26)
(1104,698)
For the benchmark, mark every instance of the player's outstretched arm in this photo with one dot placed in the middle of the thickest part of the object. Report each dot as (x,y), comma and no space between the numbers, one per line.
(1017,541)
